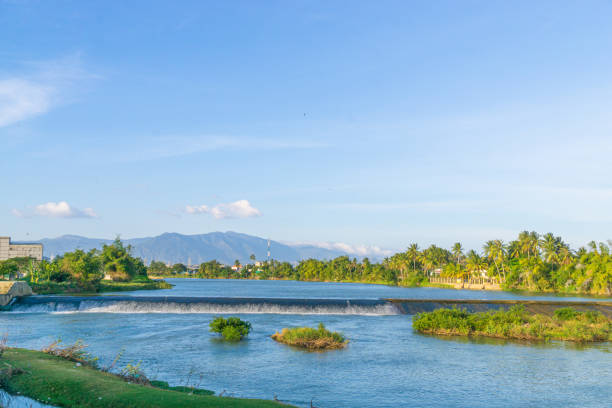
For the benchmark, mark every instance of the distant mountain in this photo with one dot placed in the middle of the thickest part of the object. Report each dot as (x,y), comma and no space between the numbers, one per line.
(225,247)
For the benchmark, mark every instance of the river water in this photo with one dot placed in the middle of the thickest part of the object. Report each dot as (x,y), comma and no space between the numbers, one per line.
(385,365)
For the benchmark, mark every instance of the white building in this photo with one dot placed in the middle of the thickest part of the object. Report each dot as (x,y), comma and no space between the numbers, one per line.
(9,250)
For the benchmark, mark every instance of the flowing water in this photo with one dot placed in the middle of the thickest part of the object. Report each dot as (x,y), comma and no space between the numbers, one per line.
(385,365)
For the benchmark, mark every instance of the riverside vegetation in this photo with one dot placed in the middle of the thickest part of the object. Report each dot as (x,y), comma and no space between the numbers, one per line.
(532,262)
(232,328)
(566,324)
(69,377)
(83,272)
(311,339)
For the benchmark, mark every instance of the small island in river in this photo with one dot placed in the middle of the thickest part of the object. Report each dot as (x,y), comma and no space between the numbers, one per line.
(565,324)
(311,339)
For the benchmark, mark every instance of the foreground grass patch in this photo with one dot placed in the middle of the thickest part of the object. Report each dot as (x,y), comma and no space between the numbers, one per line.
(64,383)
(566,324)
(311,339)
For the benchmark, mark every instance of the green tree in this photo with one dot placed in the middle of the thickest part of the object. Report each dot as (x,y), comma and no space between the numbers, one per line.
(84,267)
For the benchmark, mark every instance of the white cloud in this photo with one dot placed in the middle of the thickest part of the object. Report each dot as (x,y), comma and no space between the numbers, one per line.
(237,209)
(60,209)
(361,250)
(21,99)
(200,209)
(38,87)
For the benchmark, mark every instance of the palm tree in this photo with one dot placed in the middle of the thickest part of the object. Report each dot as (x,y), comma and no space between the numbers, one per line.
(413,254)
(457,251)
(475,263)
(495,251)
(565,255)
(550,246)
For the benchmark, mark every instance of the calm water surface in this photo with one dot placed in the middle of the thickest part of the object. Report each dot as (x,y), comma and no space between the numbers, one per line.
(385,365)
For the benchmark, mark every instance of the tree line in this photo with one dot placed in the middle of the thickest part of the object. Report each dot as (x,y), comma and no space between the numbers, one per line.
(532,262)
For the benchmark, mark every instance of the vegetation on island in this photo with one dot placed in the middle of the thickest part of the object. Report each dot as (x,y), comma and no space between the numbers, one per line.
(66,378)
(565,324)
(311,339)
(232,328)
(112,268)
(532,262)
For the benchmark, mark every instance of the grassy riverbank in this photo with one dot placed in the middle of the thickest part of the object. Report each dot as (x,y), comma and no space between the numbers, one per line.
(311,339)
(515,323)
(60,382)
(74,288)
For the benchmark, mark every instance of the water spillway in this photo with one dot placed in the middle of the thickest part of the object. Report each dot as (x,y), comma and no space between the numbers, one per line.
(213,305)
(240,305)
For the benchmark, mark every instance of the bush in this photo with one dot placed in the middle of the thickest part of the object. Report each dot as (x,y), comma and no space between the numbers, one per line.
(566,313)
(72,352)
(232,328)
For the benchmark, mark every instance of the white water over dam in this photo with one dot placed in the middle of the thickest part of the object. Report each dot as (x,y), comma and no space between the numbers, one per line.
(211,305)
(240,305)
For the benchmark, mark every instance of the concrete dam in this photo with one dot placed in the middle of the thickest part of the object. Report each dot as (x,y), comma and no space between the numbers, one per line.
(227,305)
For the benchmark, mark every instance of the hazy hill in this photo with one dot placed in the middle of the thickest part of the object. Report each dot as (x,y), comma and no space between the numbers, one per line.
(225,247)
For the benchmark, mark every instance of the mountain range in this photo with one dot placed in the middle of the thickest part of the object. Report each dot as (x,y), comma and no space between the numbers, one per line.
(225,247)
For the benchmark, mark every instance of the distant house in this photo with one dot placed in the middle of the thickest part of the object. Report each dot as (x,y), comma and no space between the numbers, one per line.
(436,272)
(9,250)
(236,267)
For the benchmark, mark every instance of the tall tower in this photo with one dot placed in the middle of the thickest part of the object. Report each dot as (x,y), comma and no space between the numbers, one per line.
(268,251)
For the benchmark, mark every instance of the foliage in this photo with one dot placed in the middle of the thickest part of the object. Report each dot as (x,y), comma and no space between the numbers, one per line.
(134,374)
(515,323)
(83,272)
(72,352)
(310,338)
(232,328)
(9,269)
(119,264)
(533,262)
(58,382)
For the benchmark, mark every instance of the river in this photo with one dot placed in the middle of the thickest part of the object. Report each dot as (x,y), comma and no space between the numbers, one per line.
(385,365)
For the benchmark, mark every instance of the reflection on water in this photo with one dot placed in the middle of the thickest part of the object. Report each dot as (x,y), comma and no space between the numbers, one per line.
(569,345)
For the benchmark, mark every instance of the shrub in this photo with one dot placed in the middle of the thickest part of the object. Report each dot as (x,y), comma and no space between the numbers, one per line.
(74,352)
(566,313)
(134,374)
(232,328)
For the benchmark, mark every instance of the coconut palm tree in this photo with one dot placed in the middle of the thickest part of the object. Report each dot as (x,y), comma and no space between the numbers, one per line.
(495,251)
(474,263)
(550,247)
(413,254)
(457,251)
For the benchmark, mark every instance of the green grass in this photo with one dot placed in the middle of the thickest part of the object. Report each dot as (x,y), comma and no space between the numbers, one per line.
(60,382)
(48,288)
(311,339)
(566,324)
(109,286)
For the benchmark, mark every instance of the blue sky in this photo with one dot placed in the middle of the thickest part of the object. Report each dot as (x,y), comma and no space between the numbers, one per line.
(366,123)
